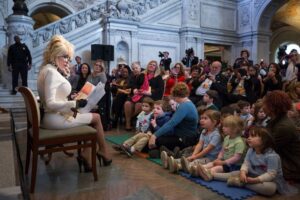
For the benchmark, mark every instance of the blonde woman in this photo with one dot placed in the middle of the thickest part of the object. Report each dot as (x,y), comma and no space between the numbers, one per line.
(98,74)
(152,86)
(54,88)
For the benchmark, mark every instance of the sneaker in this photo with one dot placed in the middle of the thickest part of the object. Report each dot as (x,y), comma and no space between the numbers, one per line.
(235,181)
(173,165)
(126,151)
(204,173)
(194,171)
(185,165)
(164,159)
(168,151)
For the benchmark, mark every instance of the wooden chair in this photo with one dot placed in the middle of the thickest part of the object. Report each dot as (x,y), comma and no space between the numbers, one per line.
(60,140)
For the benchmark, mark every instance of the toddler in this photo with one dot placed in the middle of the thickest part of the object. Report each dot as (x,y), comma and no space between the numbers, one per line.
(138,141)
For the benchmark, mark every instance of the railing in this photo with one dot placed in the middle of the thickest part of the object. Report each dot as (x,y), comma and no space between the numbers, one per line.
(120,10)
(67,24)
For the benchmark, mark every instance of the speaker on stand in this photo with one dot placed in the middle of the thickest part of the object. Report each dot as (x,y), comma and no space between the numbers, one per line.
(106,53)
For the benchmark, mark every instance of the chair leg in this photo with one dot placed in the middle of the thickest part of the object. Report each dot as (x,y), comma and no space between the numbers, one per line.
(94,160)
(28,153)
(34,169)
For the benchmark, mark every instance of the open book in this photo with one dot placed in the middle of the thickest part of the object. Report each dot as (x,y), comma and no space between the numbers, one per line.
(92,94)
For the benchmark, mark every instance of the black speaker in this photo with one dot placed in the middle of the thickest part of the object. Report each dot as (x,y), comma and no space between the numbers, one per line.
(102,51)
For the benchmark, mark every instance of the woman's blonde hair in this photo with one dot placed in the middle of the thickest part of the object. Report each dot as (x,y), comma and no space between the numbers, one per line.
(234,122)
(58,46)
(157,69)
(101,63)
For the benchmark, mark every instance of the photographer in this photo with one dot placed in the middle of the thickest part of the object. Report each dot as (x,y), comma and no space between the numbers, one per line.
(292,69)
(190,59)
(165,61)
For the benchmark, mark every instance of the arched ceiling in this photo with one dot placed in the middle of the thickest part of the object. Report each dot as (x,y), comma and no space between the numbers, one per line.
(47,14)
(287,15)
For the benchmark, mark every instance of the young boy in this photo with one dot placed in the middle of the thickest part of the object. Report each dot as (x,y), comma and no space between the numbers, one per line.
(209,97)
(138,141)
(245,114)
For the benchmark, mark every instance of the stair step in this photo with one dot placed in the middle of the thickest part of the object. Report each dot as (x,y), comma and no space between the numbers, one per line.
(11,192)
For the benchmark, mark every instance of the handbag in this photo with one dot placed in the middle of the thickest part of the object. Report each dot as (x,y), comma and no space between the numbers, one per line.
(145,87)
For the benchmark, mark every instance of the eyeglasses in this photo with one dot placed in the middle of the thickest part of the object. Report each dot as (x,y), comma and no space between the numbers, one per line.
(66,58)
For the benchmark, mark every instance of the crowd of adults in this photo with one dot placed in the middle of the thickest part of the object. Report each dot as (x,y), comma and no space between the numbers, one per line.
(275,85)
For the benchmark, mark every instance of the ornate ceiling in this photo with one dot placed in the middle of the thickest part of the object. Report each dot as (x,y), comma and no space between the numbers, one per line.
(287,15)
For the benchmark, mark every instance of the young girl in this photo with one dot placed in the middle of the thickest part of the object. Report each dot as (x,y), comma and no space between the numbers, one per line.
(207,148)
(261,170)
(230,157)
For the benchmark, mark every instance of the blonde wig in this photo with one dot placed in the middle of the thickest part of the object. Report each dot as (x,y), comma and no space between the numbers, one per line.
(58,46)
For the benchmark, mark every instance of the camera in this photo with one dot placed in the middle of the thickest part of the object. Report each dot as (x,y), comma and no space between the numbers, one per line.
(160,54)
(189,52)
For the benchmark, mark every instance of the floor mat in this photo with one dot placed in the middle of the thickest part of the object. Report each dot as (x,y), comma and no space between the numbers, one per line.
(221,188)
(117,139)
(155,160)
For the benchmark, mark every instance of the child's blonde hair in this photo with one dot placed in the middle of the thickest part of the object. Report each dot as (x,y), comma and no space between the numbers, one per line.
(234,122)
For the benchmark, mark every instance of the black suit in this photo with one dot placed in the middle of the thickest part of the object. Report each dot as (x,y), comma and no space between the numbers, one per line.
(19,58)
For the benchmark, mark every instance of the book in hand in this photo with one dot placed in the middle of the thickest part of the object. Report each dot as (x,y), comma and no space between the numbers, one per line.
(92,94)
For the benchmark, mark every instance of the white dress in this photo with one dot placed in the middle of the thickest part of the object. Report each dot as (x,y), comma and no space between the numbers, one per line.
(53,90)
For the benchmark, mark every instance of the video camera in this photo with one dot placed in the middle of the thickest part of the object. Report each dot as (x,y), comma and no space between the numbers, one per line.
(189,52)
(160,54)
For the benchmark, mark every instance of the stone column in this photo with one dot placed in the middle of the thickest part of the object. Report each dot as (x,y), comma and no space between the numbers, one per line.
(190,26)
(22,26)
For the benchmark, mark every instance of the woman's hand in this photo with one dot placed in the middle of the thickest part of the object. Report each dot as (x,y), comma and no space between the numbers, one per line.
(151,142)
(135,91)
(73,95)
(146,93)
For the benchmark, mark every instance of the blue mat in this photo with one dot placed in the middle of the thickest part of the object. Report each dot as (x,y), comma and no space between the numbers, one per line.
(221,188)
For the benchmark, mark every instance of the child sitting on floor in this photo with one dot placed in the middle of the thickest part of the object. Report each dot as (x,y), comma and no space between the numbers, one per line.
(206,150)
(230,157)
(138,141)
(260,117)
(245,114)
(261,170)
